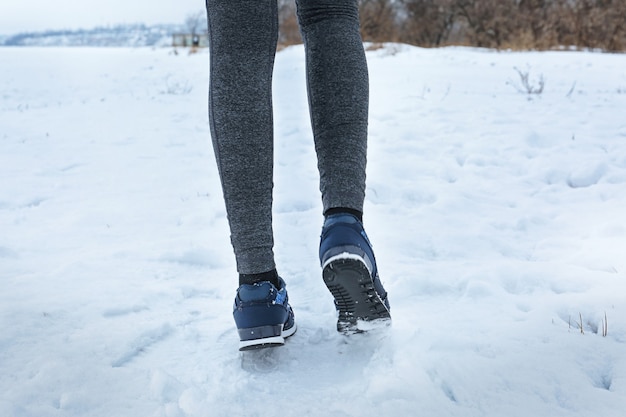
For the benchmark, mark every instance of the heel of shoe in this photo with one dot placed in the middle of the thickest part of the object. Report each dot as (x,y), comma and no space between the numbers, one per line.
(264,336)
(261,337)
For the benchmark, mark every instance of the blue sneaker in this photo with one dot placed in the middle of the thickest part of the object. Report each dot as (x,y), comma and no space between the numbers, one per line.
(263,315)
(350,273)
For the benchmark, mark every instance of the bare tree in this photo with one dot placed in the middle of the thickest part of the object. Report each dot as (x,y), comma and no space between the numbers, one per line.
(289,31)
(378,20)
(598,23)
(196,22)
(428,22)
(517,24)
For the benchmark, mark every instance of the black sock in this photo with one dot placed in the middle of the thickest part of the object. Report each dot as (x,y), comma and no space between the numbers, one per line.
(271,276)
(337,210)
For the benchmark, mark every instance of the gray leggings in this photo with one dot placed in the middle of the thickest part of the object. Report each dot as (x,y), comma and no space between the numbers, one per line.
(243,36)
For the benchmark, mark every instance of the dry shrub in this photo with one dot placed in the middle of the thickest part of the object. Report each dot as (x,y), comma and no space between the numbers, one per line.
(597,24)
(427,22)
(378,21)
(515,24)
(501,24)
(288,29)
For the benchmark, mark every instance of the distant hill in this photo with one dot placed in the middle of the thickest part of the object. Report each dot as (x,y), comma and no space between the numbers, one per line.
(134,35)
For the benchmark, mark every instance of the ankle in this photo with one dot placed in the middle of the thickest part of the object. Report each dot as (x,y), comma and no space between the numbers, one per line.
(270,276)
(344,210)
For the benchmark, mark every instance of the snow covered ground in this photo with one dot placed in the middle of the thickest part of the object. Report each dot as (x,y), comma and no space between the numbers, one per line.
(498,219)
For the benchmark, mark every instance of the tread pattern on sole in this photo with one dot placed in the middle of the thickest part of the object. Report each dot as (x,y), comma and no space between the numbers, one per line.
(352,286)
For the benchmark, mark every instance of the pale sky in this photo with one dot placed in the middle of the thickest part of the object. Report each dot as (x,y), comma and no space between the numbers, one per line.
(36,15)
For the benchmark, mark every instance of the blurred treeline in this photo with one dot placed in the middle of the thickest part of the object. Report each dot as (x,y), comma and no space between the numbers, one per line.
(501,24)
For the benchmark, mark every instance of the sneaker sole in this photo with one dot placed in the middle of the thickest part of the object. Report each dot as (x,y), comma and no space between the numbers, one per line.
(350,282)
(277,338)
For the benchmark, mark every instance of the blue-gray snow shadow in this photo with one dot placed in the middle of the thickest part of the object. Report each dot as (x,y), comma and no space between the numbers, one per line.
(319,355)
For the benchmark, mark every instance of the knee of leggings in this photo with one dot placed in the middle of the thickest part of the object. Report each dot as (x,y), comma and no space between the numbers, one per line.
(314,11)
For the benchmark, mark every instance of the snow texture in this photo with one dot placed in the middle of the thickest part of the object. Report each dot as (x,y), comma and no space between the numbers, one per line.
(497,218)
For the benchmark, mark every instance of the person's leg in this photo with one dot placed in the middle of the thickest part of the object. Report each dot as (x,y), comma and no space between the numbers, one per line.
(337,81)
(243,36)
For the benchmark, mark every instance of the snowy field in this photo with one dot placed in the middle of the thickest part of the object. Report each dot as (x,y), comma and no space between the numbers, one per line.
(498,219)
